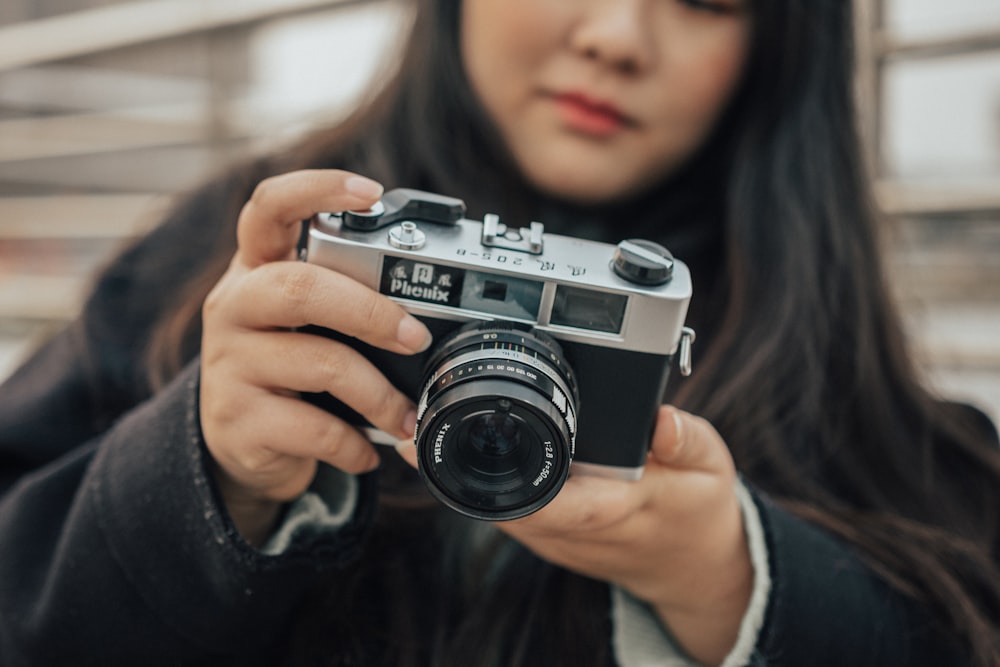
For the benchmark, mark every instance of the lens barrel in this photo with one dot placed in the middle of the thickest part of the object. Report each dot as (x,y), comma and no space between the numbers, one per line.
(496,421)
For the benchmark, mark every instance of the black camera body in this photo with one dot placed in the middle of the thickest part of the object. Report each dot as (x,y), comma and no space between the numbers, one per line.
(550,352)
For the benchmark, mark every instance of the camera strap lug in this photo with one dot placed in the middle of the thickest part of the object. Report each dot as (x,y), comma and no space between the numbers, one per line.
(687,340)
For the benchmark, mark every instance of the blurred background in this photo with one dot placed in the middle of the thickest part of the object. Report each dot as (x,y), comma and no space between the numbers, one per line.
(109,108)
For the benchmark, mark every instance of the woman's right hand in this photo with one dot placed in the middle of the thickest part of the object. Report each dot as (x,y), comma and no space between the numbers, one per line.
(265,441)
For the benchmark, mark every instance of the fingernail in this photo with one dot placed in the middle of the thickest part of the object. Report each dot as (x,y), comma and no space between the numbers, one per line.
(678,432)
(413,335)
(410,423)
(407,450)
(363,187)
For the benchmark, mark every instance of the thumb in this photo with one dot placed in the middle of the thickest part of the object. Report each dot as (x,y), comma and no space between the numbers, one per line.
(682,440)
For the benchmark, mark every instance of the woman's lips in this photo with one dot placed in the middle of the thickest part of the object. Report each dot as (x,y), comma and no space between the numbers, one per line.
(590,116)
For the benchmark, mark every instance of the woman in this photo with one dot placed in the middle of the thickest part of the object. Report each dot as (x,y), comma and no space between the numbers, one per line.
(161,475)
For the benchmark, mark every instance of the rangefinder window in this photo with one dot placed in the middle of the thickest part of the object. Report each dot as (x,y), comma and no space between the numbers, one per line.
(502,296)
(588,309)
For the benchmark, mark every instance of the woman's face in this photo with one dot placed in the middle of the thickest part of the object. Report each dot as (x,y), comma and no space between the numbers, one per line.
(600,99)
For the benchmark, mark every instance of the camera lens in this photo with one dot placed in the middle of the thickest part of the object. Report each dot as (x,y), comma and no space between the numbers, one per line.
(497,421)
(494,436)
(490,453)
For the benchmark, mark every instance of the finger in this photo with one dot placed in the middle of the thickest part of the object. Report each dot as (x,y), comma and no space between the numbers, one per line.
(267,430)
(294,294)
(269,224)
(408,451)
(684,441)
(585,505)
(306,363)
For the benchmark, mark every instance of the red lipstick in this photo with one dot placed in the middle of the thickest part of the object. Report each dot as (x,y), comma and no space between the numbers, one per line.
(590,116)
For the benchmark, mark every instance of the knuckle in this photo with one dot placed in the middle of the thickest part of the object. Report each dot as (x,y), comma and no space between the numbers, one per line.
(389,403)
(378,316)
(594,517)
(226,284)
(590,518)
(290,488)
(256,459)
(297,287)
(212,354)
(218,410)
(262,192)
(342,446)
(214,302)
(331,439)
(370,313)
(331,365)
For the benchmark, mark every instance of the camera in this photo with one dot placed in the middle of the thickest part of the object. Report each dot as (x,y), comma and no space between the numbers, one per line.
(551,353)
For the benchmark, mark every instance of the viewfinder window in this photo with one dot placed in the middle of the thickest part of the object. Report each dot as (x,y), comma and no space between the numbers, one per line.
(502,296)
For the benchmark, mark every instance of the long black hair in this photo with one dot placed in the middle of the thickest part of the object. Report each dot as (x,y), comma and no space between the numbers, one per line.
(801,363)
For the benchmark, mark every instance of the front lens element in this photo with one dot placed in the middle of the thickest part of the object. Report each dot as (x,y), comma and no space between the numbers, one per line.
(494,437)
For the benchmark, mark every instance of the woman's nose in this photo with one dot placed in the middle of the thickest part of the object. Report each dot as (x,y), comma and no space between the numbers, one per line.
(616,33)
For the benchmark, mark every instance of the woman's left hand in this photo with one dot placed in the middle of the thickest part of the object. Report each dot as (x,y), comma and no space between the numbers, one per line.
(673,539)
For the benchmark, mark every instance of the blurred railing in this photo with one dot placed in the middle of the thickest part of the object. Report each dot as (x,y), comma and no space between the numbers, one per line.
(106,28)
(946,257)
(105,114)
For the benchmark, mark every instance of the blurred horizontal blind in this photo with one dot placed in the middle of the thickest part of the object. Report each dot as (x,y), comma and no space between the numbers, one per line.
(930,82)
(108,110)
